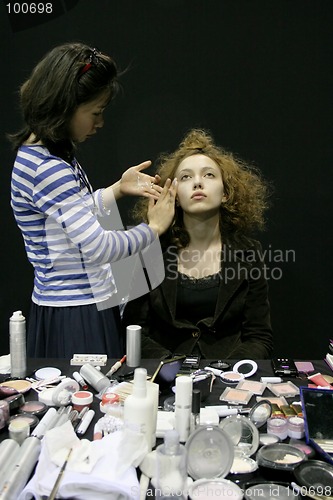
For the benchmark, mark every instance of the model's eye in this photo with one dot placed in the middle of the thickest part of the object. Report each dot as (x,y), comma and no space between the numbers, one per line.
(184,177)
(210,174)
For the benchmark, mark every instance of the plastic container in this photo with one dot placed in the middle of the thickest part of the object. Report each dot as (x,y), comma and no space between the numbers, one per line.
(81,399)
(171,468)
(17,343)
(277,461)
(278,426)
(139,408)
(296,427)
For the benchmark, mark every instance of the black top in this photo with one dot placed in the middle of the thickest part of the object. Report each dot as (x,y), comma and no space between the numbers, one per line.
(196,297)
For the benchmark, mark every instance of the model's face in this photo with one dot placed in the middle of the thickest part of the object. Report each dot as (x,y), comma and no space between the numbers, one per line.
(88,118)
(200,185)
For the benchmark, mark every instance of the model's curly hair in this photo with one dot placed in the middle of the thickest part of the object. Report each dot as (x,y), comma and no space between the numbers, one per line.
(247,193)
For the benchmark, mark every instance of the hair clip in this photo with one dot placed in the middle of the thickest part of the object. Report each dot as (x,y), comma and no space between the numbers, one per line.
(93,59)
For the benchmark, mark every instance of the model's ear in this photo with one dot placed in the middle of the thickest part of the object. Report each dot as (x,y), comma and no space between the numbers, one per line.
(224,198)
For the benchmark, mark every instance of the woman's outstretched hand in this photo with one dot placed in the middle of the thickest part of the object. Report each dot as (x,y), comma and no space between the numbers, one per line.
(161,212)
(134,182)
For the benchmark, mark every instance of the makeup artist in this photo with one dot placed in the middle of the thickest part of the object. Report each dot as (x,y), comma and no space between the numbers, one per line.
(58,212)
(214,298)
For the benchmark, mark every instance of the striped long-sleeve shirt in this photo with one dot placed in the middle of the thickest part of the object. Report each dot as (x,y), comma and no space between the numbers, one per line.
(58,215)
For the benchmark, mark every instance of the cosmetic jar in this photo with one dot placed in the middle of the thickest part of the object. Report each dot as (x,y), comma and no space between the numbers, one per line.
(316,477)
(19,430)
(269,490)
(33,408)
(4,413)
(268,439)
(296,427)
(81,399)
(31,419)
(277,461)
(278,426)
(206,489)
(15,401)
(6,391)
(111,405)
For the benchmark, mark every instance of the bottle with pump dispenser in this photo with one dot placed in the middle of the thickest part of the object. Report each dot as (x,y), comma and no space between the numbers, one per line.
(171,468)
(139,408)
(17,342)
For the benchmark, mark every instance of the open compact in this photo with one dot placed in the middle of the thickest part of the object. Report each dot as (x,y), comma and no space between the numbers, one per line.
(245,438)
(277,461)
(241,370)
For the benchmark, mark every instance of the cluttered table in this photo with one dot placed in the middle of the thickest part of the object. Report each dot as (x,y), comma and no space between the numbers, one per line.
(251,410)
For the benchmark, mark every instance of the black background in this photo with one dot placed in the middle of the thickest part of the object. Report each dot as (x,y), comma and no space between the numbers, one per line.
(256,73)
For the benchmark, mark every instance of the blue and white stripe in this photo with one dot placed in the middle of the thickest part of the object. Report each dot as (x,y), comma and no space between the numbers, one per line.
(64,240)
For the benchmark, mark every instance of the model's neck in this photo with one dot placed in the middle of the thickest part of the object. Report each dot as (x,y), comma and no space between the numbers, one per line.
(203,233)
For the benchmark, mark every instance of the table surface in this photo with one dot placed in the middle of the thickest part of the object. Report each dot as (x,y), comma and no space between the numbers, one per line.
(264,369)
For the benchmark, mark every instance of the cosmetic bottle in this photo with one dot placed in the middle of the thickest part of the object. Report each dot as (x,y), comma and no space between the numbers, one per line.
(133,346)
(139,408)
(17,340)
(171,467)
(195,415)
(183,406)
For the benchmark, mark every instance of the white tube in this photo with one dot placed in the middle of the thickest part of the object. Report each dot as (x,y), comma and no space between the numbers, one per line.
(183,406)
(25,463)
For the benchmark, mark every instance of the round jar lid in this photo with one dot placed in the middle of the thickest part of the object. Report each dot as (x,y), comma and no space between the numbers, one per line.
(210,453)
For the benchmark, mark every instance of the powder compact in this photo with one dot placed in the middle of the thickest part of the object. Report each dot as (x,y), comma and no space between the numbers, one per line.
(242,369)
(245,438)
(19,385)
(286,389)
(33,408)
(6,391)
(260,413)
(252,386)
(235,396)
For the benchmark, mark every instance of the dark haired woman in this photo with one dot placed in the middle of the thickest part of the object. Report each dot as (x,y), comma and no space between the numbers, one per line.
(214,299)
(57,211)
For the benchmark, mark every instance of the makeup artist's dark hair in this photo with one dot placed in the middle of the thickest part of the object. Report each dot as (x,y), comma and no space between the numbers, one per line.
(67,76)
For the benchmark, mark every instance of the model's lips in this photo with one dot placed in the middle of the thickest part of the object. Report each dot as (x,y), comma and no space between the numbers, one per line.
(198,195)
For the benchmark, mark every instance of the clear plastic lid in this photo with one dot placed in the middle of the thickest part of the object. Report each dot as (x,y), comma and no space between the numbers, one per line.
(210,453)
(243,434)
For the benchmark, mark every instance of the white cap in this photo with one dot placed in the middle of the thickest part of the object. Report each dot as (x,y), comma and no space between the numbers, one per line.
(184,385)
(140,382)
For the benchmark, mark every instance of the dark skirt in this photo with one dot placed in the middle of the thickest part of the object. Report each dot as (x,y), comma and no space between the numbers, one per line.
(60,332)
